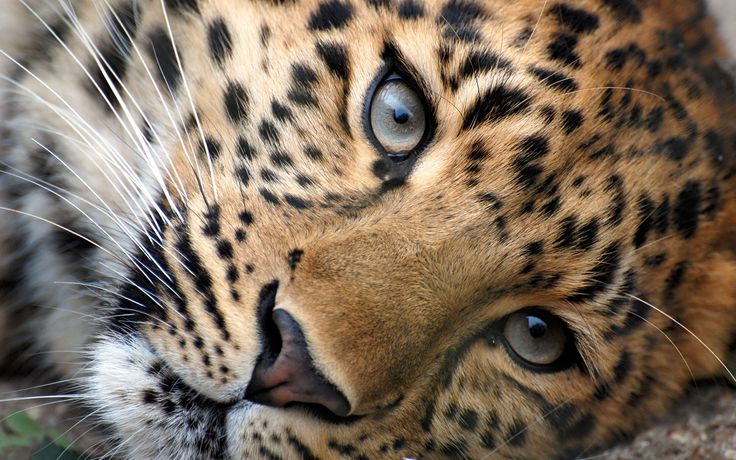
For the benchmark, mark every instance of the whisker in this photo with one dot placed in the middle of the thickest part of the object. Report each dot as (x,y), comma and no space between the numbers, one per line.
(33,398)
(534,30)
(685,328)
(193,108)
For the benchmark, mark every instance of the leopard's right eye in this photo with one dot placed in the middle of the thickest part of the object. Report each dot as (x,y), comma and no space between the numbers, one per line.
(398,117)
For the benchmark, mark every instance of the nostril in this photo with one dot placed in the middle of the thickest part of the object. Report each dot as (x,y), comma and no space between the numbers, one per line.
(285,373)
(271,335)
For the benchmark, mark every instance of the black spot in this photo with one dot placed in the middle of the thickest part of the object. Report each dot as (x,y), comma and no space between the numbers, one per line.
(618,202)
(478,152)
(193,265)
(711,201)
(281,159)
(302,90)
(655,260)
(675,148)
(281,112)
(687,209)
(516,435)
(551,207)
(624,9)
(264,34)
(220,41)
(575,429)
(332,14)
(304,452)
(148,131)
(245,150)
(646,222)
(110,72)
(534,248)
(335,57)
(571,120)
(635,316)
(678,110)
(482,61)
(496,104)
(304,181)
(617,58)
(303,75)
(180,6)
(269,197)
(715,146)
(555,79)
(210,148)
(296,202)
(562,49)
(163,55)
(236,102)
(268,132)
(243,175)
(532,149)
(575,19)
(294,257)
(567,233)
(623,367)
(459,13)
(246,218)
(346,450)
(548,113)
(212,221)
(268,175)
(492,201)
(468,419)
(602,274)
(379,3)
(313,153)
(603,152)
(410,9)
(225,249)
(662,216)
(654,119)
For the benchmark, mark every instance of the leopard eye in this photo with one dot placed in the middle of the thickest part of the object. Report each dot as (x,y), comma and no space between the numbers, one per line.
(536,336)
(397,116)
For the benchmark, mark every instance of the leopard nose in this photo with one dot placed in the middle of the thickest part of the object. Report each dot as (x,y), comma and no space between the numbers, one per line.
(285,374)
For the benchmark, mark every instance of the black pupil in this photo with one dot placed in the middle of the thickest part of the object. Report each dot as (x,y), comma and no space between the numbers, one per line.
(401,114)
(537,326)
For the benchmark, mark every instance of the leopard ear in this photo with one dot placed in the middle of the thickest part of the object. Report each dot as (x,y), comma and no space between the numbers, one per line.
(711,316)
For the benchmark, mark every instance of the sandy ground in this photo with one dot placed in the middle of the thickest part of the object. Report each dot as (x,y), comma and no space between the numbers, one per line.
(701,427)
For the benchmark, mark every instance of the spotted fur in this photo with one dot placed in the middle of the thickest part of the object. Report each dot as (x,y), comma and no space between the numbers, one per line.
(172,167)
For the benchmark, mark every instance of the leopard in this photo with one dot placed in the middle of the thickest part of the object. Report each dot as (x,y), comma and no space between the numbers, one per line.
(367,229)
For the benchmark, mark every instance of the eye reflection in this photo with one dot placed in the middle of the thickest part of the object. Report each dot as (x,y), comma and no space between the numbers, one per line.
(536,337)
(397,116)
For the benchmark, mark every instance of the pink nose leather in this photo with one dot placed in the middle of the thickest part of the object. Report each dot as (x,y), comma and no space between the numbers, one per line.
(291,377)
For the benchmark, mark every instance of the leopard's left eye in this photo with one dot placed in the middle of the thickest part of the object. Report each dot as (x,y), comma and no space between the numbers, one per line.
(536,336)
(397,116)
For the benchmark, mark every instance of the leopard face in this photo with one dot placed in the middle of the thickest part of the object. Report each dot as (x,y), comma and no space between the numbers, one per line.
(422,229)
